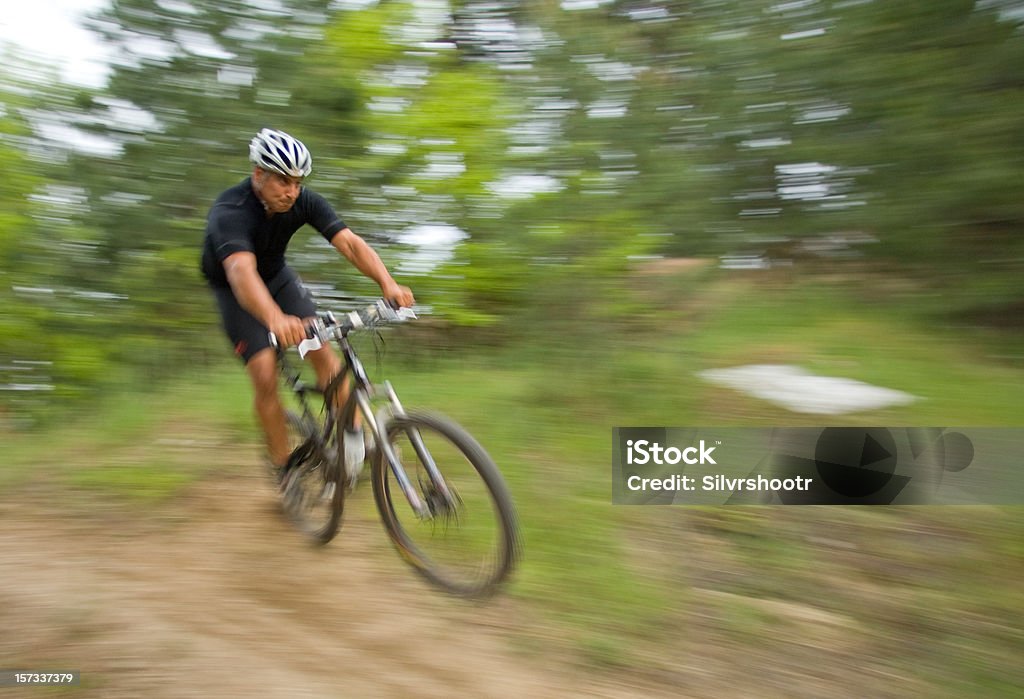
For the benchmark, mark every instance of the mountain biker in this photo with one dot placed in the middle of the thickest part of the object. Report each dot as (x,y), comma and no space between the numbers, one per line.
(247,232)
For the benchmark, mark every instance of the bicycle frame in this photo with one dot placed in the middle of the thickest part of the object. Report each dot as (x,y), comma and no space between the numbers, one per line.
(319,473)
(360,399)
(301,390)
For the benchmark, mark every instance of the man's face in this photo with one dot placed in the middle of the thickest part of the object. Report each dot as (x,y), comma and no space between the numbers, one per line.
(278,192)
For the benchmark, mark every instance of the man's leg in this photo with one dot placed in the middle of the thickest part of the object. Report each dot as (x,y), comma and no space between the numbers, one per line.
(252,345)
(262,370)
(327,366)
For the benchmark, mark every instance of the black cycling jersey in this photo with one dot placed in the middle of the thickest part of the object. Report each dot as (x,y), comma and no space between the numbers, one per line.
(237,222)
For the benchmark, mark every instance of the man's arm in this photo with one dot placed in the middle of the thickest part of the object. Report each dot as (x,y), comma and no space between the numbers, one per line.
(367,261)
(254,297)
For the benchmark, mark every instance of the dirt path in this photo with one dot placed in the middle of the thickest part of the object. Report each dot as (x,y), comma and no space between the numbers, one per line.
(218,597)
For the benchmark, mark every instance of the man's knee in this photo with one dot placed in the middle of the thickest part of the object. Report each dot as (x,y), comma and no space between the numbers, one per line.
(325,363)
(262,369)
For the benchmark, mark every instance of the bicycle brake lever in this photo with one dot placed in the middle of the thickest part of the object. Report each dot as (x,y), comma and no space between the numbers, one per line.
(385,311)
(393,314)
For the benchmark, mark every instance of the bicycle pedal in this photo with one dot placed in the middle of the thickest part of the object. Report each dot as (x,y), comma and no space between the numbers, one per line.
(328,491)
(291,497)
(284,476)
(353,472)
(351,483)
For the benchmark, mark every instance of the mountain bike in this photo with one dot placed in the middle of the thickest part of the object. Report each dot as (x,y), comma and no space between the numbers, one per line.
(442,500)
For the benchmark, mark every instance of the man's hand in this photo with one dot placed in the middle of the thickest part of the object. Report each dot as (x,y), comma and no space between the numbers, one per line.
(289,330)
(398,295)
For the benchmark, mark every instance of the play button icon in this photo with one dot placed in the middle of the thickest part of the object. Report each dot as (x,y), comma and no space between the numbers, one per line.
(873,452)
(855,462)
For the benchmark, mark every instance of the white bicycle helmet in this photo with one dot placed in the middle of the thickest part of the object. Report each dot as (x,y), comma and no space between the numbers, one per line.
(278,152)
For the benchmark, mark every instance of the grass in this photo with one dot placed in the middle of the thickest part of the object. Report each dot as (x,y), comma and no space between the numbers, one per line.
(125,444)
(912,593)
(146,483)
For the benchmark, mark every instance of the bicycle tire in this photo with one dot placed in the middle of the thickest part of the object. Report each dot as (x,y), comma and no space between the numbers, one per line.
(417,540)
(314,494)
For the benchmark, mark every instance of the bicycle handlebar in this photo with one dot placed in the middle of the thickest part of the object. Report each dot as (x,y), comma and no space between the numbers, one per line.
(327,327)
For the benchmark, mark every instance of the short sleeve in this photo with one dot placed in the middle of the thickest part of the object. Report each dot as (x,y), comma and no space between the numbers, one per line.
(227,235)
(321,215)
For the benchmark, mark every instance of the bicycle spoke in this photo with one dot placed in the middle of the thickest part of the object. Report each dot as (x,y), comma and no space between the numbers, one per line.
(467,544)
(312,495)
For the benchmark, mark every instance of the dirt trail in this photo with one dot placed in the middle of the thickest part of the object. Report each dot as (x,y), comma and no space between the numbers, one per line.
(219,597)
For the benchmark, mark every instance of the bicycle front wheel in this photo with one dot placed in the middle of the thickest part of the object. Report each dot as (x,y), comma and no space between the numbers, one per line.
(469,543)
(314,494)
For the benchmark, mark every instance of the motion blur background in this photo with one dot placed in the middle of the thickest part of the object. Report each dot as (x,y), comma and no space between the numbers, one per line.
(594,202)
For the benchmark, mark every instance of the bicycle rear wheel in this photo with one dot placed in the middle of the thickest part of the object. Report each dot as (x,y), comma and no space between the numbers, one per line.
(468,548)
(314,494)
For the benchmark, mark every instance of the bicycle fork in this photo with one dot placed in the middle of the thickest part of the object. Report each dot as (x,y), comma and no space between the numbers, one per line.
(421,449)
(379,428)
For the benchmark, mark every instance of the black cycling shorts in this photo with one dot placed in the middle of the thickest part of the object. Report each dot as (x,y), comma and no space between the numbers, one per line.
(247,334)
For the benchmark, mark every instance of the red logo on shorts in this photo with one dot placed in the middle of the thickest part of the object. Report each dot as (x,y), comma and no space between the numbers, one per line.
(240,348)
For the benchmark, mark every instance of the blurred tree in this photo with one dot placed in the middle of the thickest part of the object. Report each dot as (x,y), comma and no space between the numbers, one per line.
(430,133)
(712,126)
(19,319)
(20,178)
(564,139)
(936,122)
(191,83)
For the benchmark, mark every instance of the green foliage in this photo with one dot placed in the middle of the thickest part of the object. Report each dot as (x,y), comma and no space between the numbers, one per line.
(692,129)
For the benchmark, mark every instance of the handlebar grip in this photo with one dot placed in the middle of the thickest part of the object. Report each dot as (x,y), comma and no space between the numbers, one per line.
(312,333)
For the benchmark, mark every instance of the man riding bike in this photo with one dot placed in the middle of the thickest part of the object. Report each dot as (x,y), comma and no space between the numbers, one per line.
(247,232)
